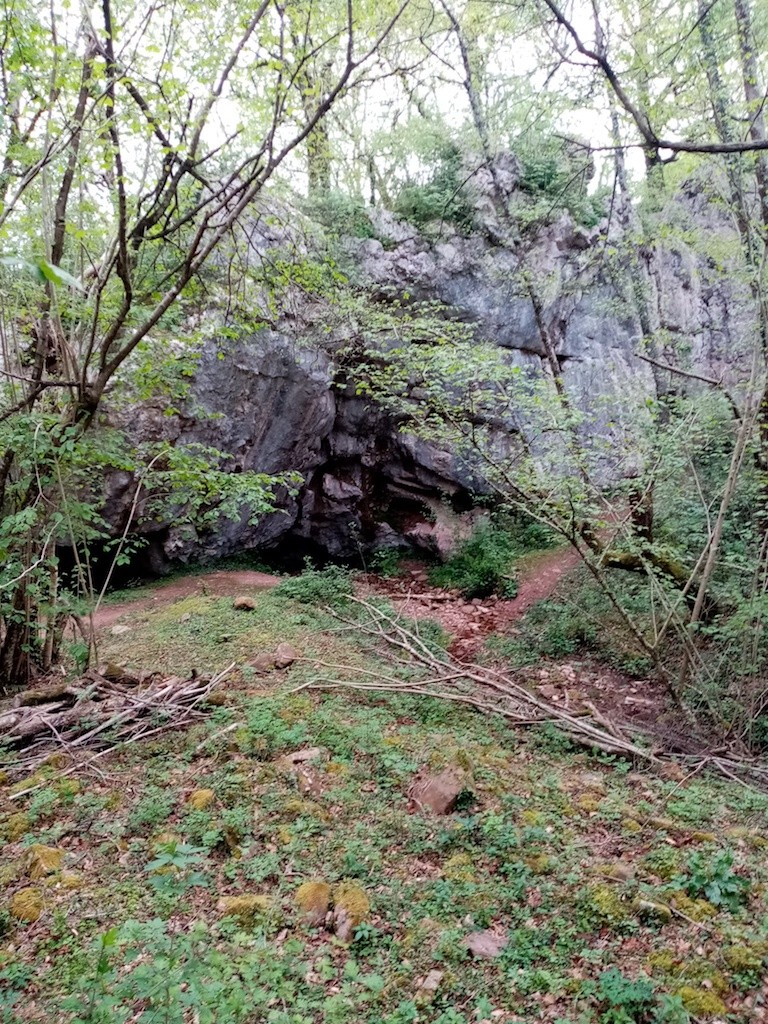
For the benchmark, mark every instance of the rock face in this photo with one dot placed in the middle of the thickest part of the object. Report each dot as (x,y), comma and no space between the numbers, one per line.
(271,402)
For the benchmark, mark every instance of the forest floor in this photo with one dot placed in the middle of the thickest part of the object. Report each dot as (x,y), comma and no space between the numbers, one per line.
(311,856)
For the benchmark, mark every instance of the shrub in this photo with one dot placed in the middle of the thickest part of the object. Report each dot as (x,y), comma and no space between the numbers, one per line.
(329,586)
(440,198)
(341,214)
(482,564)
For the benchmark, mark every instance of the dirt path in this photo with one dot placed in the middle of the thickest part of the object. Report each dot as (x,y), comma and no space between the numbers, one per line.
(470,621)
(222,583)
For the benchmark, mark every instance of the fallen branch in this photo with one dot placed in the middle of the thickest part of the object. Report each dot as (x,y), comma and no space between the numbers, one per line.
(421,670)
(103,712)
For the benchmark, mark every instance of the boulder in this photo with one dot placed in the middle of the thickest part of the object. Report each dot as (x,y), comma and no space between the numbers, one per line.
(487,944)
(437,793)
(313,900)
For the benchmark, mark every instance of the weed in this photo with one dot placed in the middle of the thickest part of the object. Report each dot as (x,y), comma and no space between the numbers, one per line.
(711,877)
(330,586)
(481,565)
(155,807)
(623,1001)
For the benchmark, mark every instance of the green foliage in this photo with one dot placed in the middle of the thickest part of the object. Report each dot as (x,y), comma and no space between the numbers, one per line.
(623,1001)
(441,197)
(386,562)
(329,586)
(554,177)
(711,876)
(340,214)
(481,565)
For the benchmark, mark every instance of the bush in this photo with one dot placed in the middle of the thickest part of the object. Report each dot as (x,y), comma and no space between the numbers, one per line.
(440,198)
(329,586)
(482,564)
(342,215)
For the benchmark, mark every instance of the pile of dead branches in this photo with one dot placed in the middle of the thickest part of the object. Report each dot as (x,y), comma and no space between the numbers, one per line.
(103,709)
(419,667)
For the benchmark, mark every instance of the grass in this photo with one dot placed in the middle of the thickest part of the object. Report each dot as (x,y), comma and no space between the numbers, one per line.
(569,854)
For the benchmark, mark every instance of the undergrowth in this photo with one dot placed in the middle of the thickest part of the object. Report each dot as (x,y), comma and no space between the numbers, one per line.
(584,866)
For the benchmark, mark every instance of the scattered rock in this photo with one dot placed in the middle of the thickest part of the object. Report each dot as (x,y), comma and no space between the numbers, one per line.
(43,860)
(244,604)
(16,826)
(308,782)
(247,909)
(298,757)
(351,908)
(550,692)
(263,663)
(650,910)
(201,799)
(27,905)
(120,629)
(486,945)
(437,793)
(285,655)
(314,901)
(426,987)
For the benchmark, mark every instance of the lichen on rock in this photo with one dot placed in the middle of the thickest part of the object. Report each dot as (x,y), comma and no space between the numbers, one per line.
(351,908)
(27,905)
(43,860)
(313,899)
(247,909)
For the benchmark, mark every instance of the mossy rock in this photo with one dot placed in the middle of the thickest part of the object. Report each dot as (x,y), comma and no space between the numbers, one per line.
(697,910)
(616,870)
(541,864)
(68,789)
(43,860)
(743,959)
(70,880)
(247,909)
(531,818)
(754,840)
(651,910)
(351,908)
(298,808)
(313,899)
(703,837)
(27,905)
(605,905)
(12,871)
(663,961)
(631,826)
(38,779)
(201,799)
(701,1002)
(589,802)
(459,868)
(16,826)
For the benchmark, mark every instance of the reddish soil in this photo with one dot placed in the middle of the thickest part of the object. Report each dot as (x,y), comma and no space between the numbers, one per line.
(470,621)
(222,583)
(574,686)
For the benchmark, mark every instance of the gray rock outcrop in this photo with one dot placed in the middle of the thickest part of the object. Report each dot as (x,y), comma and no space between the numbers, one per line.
(272,403)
